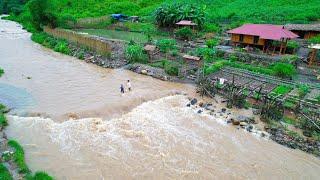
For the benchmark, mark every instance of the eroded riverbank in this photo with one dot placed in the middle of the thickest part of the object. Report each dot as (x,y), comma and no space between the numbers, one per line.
(120,137)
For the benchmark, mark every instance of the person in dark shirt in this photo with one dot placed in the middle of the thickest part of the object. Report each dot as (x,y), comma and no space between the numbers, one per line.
(122,89)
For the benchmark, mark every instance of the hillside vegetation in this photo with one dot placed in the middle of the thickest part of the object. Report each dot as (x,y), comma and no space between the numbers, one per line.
(269,11)
(232,12)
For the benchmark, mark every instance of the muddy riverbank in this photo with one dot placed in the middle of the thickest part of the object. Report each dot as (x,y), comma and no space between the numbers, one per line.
(76,125)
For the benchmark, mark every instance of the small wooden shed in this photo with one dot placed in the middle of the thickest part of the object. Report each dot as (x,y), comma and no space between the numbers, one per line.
(185,23)
(312,59)
(304,31)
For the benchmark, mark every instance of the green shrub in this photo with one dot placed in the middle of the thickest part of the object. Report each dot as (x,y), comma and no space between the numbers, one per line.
(18,157)
(62,47)
(166,44)
(169,14)
(39,176)
(205,53)
(212,42)
(284,70)
(135,53)
(171,68)
(4,173)
(303,90)
(315,40)
(291,59)
(184,33)
(1,72)
(215,67)
(293,46)
(211,28)
(174,53)
(3,120)
(41,14)
(318,99)
(39,37)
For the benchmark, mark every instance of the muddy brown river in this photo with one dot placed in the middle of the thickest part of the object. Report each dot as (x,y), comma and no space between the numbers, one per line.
(148,133)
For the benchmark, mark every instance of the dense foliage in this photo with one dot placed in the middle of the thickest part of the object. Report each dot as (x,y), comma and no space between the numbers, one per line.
(184,33)
(18,156)
(135,53)
(284,70)
(1,72)
(165,45)
(11,6)
(315,40)
(169,14)
(281,90)
(233,13)
(41,13)
(4,173)
(58,45)
(170,67)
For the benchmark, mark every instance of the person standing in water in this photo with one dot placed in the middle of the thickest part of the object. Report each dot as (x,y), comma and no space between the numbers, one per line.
(129,85)
(122,89)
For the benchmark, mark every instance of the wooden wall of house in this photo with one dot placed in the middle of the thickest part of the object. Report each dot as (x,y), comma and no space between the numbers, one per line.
(247,39)
(306,34)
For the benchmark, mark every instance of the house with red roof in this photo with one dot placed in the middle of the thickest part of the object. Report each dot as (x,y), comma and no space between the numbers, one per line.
(263,36)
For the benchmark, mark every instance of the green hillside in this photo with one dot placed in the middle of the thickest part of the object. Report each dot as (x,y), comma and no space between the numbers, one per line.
(271,11)
(217,11)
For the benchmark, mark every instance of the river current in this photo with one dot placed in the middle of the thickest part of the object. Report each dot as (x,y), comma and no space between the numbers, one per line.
(73,123)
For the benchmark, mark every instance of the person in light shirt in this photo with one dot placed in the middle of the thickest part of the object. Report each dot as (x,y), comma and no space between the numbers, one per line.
(129,85)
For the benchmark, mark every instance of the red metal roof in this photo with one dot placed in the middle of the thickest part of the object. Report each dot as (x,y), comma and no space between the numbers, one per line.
(264,31)
(186,23)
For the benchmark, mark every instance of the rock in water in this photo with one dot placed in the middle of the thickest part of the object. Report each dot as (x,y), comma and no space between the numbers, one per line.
(223,110)
(235,122)
(193,101)
(188,105)
(199,111)
(145,72)
(243,124)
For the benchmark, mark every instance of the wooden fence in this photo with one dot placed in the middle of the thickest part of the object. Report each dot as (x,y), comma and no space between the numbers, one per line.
(101,45)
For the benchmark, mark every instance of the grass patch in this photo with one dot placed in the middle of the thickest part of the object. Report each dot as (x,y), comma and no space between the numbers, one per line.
(39,176)
(18,156)
(170,67)
(4,173)
(3,119)
(303,90)
(1,72)
(289,120)
(281,90)
(220,63)
(122,35)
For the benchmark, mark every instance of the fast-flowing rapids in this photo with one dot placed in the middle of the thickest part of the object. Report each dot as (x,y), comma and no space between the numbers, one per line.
(148,133)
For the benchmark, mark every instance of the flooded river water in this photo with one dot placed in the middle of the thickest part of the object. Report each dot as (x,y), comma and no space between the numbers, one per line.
(148,133)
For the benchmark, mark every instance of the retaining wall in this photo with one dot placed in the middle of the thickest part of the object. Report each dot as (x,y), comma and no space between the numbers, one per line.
(101,45)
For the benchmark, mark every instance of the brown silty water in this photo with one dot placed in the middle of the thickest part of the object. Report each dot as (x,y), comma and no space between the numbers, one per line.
(148,133)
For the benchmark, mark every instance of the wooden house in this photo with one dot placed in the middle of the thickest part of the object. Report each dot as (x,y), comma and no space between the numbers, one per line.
(304,31)
(263,36)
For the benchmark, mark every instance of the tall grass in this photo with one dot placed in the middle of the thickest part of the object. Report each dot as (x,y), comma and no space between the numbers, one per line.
(4,173)
(1,72)
(18,156)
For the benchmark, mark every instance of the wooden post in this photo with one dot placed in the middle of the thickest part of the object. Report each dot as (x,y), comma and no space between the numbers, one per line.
(285,46)
(313,57)
(281,46)
(274,49)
